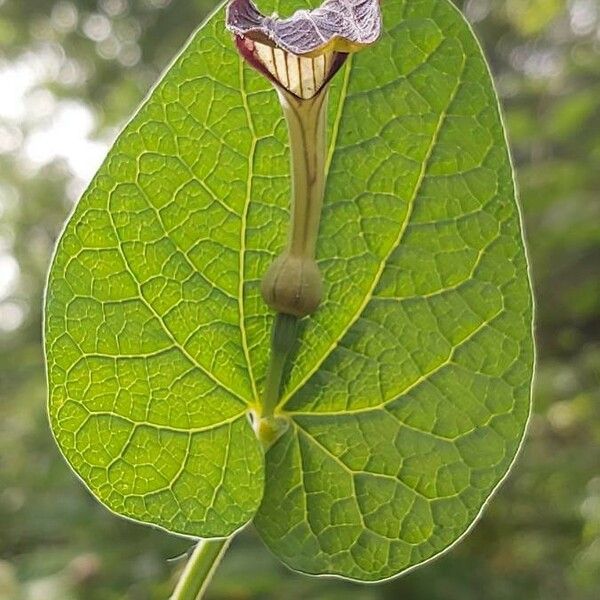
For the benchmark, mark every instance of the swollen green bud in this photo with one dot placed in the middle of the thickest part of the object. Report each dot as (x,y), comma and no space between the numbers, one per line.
(293,285)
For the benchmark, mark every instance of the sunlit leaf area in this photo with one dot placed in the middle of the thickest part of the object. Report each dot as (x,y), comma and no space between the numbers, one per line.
(71,75)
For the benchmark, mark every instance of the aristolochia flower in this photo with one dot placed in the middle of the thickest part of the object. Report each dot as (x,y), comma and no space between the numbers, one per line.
(303,52)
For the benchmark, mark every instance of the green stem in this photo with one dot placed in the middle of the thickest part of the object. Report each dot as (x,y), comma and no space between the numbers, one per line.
(200,568)
(282,342)
(293,284)
(269,426)
(307,131)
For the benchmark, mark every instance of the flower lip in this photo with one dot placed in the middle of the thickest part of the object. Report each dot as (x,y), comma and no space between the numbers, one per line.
(302,53)
(336,26)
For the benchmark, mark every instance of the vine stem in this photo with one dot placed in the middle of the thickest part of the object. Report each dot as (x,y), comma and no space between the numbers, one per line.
(200,568)
(283,337)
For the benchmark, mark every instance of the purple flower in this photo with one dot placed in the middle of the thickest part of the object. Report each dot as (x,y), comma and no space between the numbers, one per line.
(302,53)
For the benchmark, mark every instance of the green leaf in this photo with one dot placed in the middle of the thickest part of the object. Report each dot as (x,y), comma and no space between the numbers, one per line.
(148,361)
(409,394)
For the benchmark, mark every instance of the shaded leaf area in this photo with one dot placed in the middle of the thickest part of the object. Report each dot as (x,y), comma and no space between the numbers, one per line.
(410,390)
(147,354)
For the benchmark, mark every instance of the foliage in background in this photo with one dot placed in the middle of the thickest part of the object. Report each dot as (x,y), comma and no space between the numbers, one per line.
(83,67)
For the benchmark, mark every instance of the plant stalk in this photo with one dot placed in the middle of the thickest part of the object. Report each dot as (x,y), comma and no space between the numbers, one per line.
(282,341)
(293,285)
(200,568)
(307,130)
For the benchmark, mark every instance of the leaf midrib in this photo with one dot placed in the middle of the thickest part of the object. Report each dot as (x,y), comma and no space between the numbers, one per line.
(170,428)
(243,231)
(421,379)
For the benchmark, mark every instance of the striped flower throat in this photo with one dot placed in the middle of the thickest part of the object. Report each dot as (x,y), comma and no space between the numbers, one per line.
(302,76)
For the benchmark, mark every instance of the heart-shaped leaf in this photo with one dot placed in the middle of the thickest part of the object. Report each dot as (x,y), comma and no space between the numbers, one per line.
(409,394)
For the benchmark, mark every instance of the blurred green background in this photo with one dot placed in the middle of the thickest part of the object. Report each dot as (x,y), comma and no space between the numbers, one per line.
(70,74)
